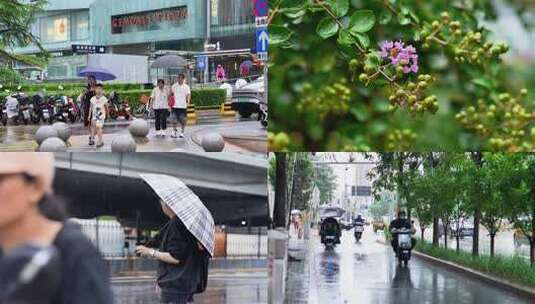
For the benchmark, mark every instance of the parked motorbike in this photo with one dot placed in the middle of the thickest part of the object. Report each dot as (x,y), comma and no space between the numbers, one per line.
(25,108)
(48,110)
(10,110)
(60,106)
(359,229)
(330,233)
(73,110)
(117,108)
(263,114)
(404,245)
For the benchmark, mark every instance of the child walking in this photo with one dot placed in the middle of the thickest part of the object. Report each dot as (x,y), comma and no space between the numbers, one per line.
(98,110)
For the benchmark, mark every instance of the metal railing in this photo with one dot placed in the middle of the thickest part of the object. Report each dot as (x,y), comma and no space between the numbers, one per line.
(115,241)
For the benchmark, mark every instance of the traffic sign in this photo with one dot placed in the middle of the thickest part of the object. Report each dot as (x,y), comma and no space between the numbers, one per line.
(261,8)
(261,21)
(88,49)
(262,39)
(201,62)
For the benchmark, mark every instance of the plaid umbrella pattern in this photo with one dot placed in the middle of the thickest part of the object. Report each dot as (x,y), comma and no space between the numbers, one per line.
(186,205)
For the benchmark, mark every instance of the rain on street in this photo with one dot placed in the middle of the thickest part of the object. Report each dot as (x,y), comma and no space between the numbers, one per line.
(367,273)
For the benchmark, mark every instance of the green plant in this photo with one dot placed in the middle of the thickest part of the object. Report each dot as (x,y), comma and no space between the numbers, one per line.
(393,75)
(515,269)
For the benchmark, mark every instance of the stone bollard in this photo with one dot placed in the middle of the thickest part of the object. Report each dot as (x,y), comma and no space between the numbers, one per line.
(123,143)
(63,129)
(213,142)
(53,144)
(277,265)
(44,133)
(139,128)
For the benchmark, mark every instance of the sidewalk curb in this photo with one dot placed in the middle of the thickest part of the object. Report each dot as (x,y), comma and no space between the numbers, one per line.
(502,283)
(215,275)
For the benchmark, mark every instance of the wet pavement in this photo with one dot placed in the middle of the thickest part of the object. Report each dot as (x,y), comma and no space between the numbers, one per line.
(366,273)
(240,136)
(227,288)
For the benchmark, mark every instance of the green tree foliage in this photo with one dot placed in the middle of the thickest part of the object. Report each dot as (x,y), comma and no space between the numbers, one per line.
(501,187)
(336,85)
(325,180)
(383,205)
(16,18)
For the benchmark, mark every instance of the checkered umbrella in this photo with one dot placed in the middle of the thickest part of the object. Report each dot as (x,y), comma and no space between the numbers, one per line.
(186,205)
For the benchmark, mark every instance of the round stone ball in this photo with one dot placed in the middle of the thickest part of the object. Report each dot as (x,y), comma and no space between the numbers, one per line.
(53,144)
(213,142)
(63,129)
(123,143)
(45,132)
(139,128)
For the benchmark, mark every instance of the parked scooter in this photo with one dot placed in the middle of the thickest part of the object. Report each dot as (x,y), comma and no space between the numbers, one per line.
(25,108)
(359,229)
(73,110)
(117,108)
(61,112)
(404,245)
(330,233)
(11,110)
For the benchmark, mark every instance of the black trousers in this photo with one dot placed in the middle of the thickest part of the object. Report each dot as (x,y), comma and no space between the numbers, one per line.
(161,119)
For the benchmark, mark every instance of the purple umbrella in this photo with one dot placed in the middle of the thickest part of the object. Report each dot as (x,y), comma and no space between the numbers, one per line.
(99,73)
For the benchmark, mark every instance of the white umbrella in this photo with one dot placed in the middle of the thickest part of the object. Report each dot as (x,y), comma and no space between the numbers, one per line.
(186,205)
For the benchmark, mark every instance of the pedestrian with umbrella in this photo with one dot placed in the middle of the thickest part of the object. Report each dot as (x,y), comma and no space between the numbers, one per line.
(93,74)
(184,244)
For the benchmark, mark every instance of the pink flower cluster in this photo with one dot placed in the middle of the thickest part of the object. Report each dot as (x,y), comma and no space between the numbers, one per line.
(400,55)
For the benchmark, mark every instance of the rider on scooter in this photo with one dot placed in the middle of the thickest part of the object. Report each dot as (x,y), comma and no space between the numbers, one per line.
(401,222)
(358,220)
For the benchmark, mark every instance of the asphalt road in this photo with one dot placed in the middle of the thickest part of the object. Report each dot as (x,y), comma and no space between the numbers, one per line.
(366,273)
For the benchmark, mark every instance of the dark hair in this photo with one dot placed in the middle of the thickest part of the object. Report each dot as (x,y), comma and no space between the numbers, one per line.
(161,81)
(53,208)
(100,85)
(50,206)
(181,75)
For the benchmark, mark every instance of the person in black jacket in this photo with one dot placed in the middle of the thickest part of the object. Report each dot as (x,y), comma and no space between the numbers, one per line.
(183,261)
(86,102)
(30,215)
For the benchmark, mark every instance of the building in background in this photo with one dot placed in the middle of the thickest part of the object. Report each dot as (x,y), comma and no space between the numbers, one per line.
(225,28)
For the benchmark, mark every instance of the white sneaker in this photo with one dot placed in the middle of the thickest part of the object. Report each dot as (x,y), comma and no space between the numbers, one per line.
(163,133)
(174,134)
(181,135)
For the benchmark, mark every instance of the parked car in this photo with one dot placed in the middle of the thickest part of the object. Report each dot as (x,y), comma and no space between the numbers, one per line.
(247,100)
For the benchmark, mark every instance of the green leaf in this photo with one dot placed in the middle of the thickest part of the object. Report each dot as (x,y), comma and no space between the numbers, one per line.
(360,112)
(327,28)
(345,38)
(385,17)
(483,82)
(278,34)
(361,21)
(363,39)
(339,7)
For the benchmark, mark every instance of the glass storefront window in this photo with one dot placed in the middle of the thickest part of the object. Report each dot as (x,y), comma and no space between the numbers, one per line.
(80,25)
(232,12)
(54,29)
(57,71)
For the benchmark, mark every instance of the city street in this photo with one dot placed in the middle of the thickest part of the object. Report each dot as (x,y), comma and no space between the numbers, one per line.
(366,272)
(241,135)
(223,287)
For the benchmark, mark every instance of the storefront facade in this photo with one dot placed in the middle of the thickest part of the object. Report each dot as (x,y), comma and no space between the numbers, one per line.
(138,27)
